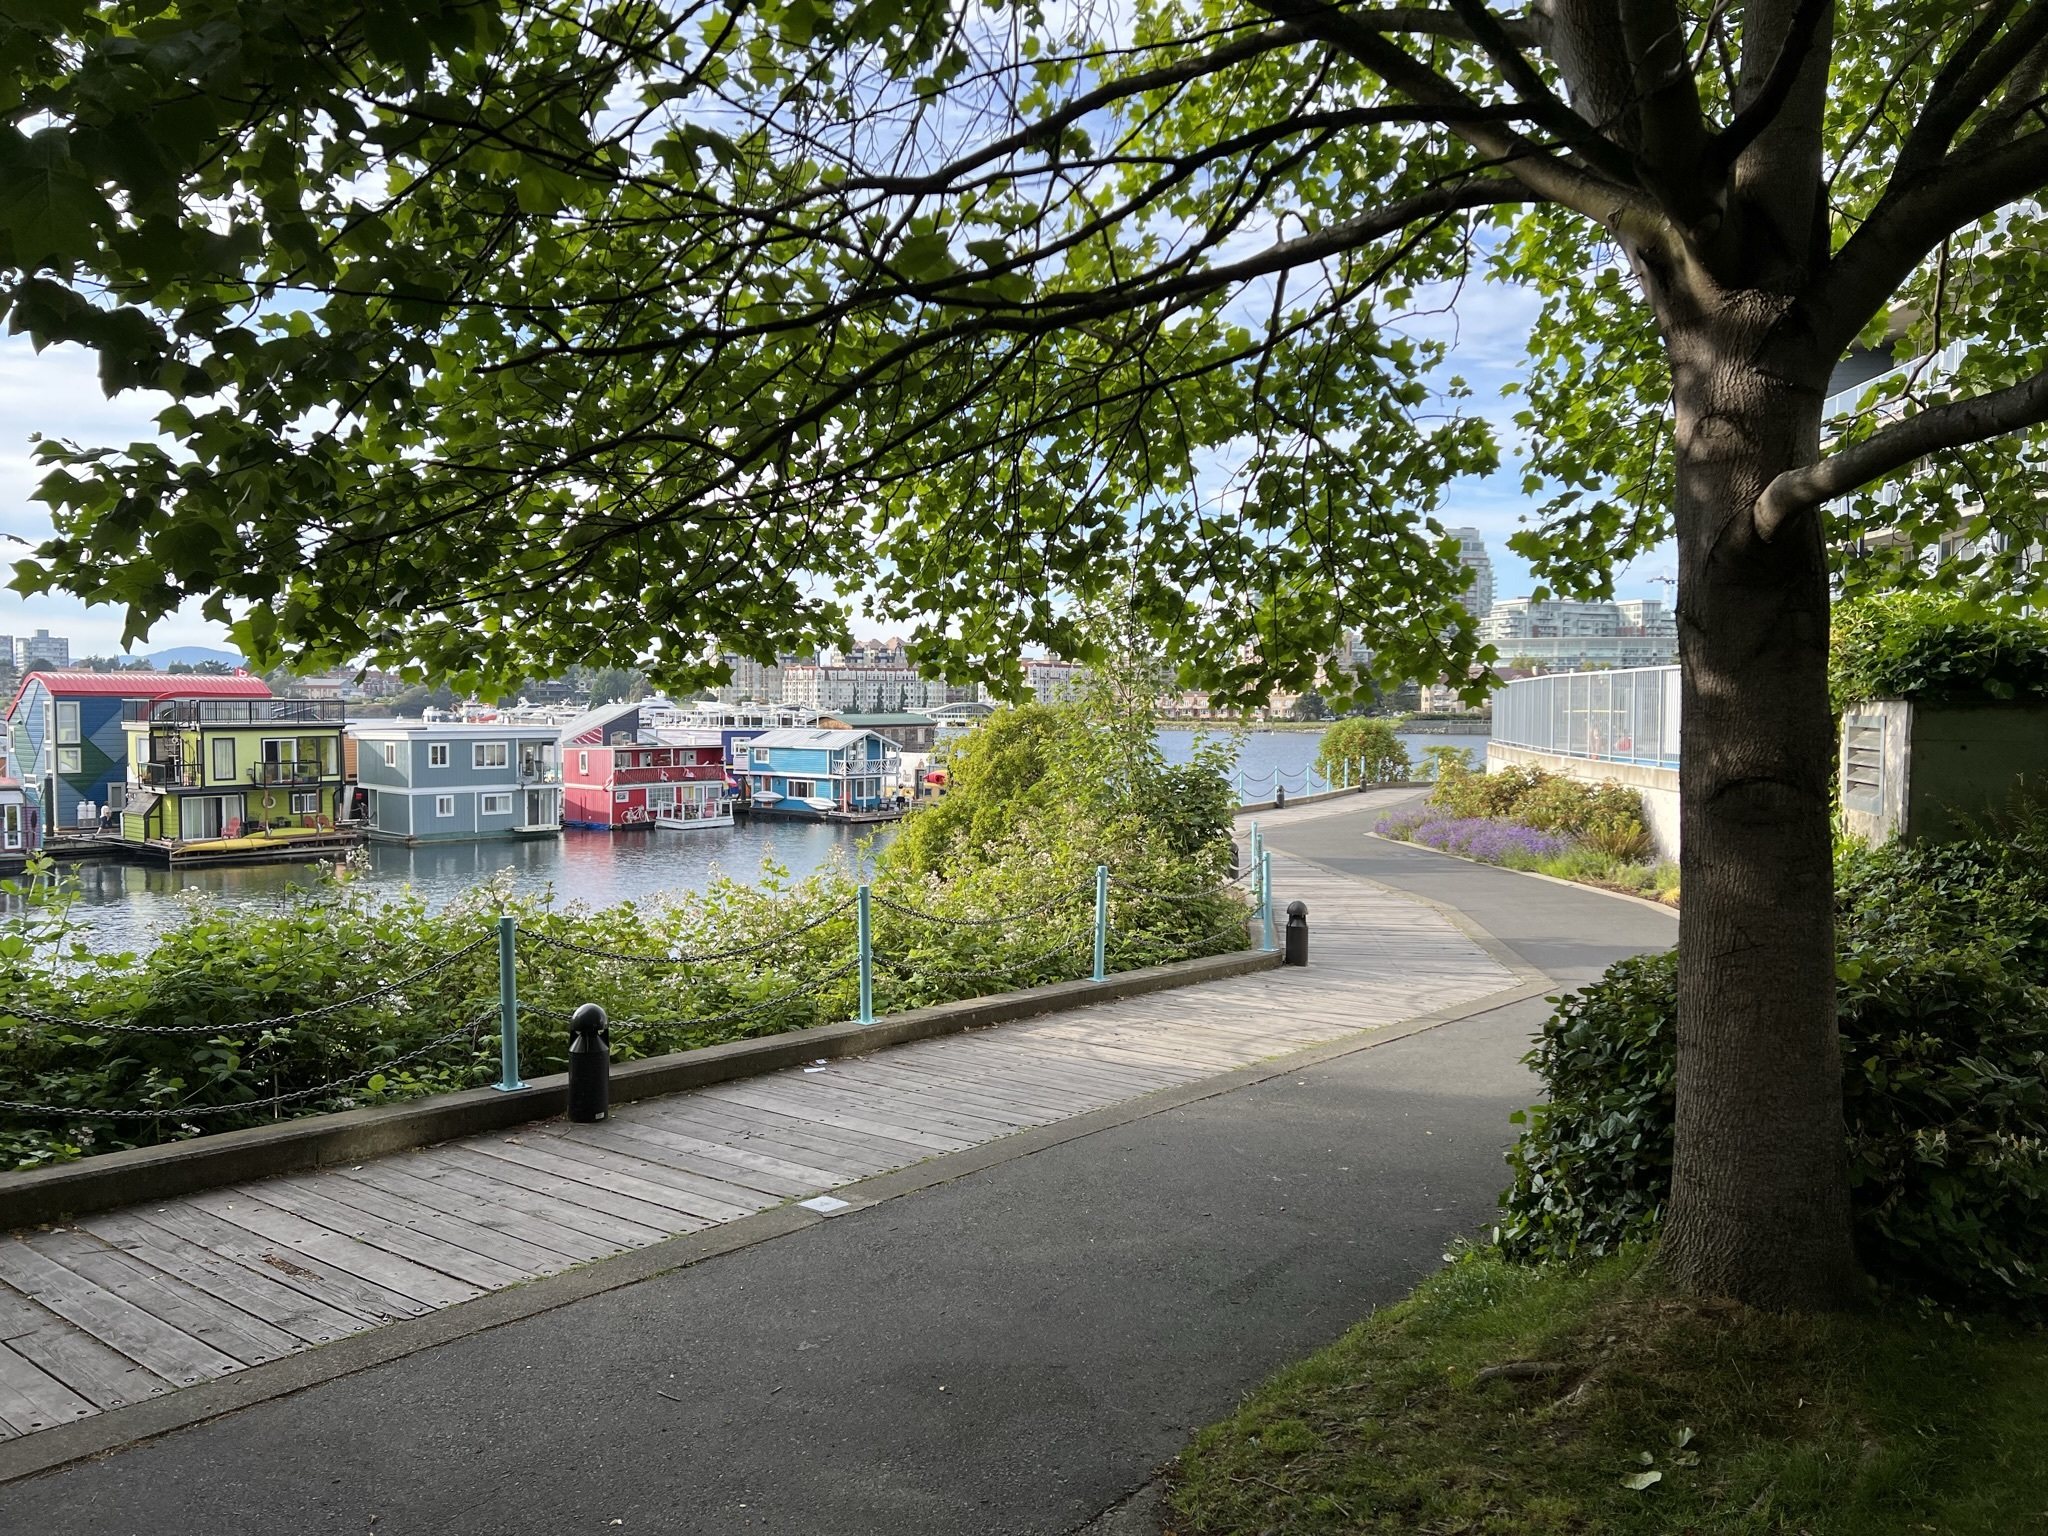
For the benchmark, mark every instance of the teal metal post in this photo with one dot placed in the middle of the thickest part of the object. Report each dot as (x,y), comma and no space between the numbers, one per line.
(1101,921)
(508,1005)
(867,958)
(1266,895)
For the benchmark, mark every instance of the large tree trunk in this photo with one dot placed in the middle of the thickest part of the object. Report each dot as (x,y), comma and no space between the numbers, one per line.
(1759,1199)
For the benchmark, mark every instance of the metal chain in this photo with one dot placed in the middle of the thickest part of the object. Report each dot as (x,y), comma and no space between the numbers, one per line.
(1138,890)
(976,922)
(191,1111)
(1207,938)
(718,954)
(905,968)
(90,1025)
(805,990)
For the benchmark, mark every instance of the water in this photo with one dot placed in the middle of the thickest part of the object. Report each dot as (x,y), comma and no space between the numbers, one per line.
(1291,753)
(126,906)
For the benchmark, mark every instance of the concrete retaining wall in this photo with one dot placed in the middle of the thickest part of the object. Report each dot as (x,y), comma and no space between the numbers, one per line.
(232,1157)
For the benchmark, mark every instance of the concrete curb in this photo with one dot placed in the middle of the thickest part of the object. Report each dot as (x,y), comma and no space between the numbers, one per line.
(48,1450)
(157,1173)
(1329,794)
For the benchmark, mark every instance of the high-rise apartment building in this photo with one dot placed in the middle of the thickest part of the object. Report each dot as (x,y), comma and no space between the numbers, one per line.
(42,646)
(1556,634)
(1478,598)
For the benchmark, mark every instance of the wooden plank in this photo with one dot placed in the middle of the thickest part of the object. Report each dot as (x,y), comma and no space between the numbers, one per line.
(1007,1094)
(579,1190)
(567,1245)
(655,1145)
(597,1167)
(730,1153)
(786,1133)
(668,1173)
(532,1196)
(317,1245)
(146,1339)
(389,1209)
(32,1399)
(248,1340)
(757,1095)
(898,1097)
(305,1199)
(103,1377)
(276,1301)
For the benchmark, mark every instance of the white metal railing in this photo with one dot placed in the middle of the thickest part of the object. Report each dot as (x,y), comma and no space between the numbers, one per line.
(1624,716)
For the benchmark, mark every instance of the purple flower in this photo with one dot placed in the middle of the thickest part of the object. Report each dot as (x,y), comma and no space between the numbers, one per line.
(1476,837)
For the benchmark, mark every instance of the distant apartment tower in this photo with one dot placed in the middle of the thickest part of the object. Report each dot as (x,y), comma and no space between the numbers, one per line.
(835,690)
(1558,635)
(753,682)
(44,647)
(1478,598)
(1053,682)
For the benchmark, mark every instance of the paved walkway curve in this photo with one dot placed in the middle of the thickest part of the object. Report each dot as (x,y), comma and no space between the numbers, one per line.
(129,1305)
(1004,1336)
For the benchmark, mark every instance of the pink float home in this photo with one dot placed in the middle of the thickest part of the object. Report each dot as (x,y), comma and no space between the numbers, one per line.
(616,774)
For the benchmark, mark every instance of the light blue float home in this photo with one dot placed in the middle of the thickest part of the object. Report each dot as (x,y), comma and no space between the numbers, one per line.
(437,782)
(821,773)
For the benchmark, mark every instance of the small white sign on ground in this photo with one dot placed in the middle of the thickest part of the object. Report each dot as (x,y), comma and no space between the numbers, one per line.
(824,1204)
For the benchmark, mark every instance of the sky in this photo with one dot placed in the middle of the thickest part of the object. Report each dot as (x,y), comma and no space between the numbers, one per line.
(57,393)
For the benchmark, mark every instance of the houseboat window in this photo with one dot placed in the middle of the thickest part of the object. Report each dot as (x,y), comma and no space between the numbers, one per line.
(661,797)
(13,825)
(802,788)
(306,802)
(622,794)
(390,754)
(444,805)
(67,721)
(224,758)
(583,762)
(437,754)
(490,754)
(497,805)
(70,759)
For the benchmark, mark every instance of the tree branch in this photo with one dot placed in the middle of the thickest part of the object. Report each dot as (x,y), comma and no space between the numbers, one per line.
(1727,146)
(1954,425)
(1607,197)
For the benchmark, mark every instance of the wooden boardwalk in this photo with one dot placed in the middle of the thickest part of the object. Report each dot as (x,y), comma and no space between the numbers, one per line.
(136,1303)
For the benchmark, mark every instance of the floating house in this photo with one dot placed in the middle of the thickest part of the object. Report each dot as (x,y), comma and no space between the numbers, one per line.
(653,777)
(822,773)
(433,782)
(232,779)
(67,735)
(21,824)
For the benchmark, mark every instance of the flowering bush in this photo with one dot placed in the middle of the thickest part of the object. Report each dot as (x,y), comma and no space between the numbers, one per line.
(1479,837)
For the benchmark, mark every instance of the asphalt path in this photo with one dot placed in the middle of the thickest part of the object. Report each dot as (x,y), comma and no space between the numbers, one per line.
(1013,1351)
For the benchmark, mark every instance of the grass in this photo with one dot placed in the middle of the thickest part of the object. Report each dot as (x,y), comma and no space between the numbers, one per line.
(1878,1423)
(1588,866)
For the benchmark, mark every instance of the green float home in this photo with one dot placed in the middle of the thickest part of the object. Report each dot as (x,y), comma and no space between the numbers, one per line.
(235,780)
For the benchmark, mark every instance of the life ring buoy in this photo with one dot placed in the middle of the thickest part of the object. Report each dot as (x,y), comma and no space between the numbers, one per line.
(269,801)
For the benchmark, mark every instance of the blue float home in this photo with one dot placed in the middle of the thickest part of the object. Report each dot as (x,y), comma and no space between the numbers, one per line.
(67,736)
(437,782)
(821,773)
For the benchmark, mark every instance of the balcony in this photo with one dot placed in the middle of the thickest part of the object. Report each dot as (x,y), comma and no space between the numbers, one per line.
(236,711)
(290,773)
(166,775)
(532,771)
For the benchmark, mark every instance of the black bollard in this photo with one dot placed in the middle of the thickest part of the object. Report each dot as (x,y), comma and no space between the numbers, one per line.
(590,1065)
(1294,950)
(1279,797)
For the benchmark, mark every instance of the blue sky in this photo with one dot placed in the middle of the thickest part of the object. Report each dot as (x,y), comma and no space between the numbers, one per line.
(57,392)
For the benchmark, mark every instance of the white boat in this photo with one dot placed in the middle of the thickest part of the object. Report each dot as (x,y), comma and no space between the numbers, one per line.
(821,802)
(722,817)
(766,797)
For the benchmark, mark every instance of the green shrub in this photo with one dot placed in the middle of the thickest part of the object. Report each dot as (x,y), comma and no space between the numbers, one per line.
(1936,650)
(1943,955)
(1362,751)
(1607,816)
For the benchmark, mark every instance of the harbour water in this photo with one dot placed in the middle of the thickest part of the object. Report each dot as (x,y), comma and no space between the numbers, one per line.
(126,906)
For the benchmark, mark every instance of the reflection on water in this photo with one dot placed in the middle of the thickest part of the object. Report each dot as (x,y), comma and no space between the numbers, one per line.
(126,906)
